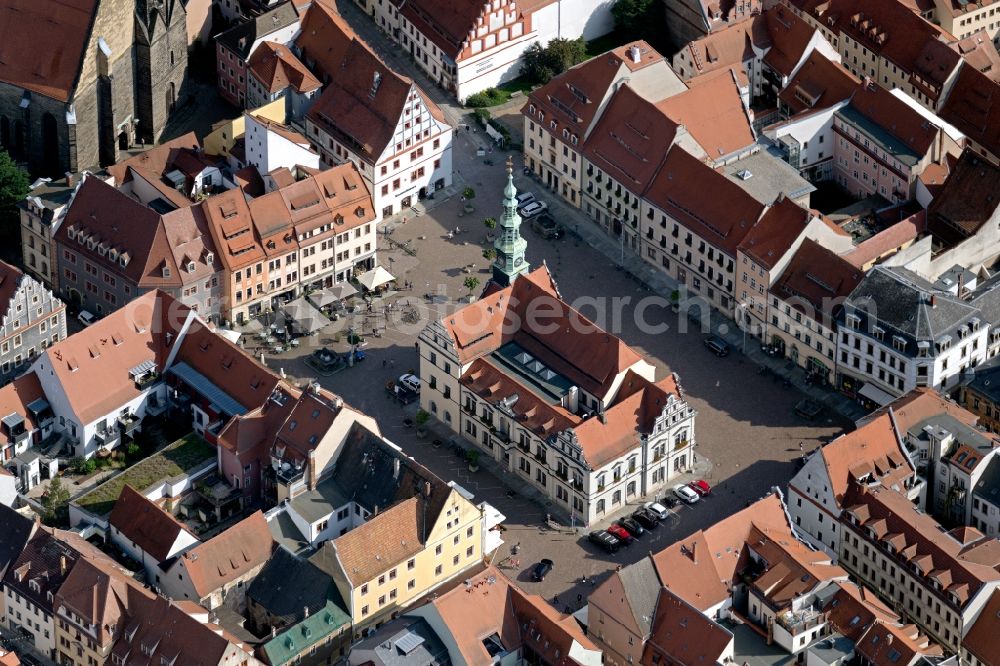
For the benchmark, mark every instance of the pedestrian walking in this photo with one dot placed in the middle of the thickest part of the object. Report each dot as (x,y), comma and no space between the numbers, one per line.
(801,448)
(384,363)
(584,581)
(555,600)
(579,598)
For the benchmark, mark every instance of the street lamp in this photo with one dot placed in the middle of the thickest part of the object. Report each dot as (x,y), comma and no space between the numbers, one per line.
(743,325)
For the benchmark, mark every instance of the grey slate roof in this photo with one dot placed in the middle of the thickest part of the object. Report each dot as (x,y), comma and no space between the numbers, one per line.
(380,648)
(16,531)
(288,584)
(988,487)
(986,380)
(900,301)
(240,38)
(642,589)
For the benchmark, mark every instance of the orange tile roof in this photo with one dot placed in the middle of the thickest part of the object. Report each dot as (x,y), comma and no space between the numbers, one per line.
(700,569)
(93,365)
(145,524)
(231,555)
(730,47)
(871,449)
(979,51)
(55,35)
(9,658)
(16,396)
(898,235)
(386,540)
(981,637)
(918,405)
(156,160)
(277,68)
(713,114)
(722,220)
(682,634)
(896,117)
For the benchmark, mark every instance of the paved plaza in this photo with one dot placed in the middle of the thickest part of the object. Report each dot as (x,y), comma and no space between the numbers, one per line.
(748,436)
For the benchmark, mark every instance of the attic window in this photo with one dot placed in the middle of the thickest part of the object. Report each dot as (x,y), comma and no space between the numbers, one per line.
(292,424)
(190,267)
(166,271)
(360,211)
(123,259)
(71,233)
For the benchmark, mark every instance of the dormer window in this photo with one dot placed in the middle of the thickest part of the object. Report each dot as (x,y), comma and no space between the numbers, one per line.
(71,233)
(209,257)
(123,259)
(190,267)
(879,333)
(166,271)
(853,321)
(113,254)
(898,343)
(102,249)
(34,586)
(91,243)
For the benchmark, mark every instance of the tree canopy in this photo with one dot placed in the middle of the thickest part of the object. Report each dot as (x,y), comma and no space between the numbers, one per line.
(542,63)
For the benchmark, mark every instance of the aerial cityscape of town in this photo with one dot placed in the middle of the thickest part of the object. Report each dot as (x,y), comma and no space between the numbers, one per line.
(499,332)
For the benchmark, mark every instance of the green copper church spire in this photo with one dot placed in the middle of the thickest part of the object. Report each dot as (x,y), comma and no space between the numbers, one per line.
(509,245)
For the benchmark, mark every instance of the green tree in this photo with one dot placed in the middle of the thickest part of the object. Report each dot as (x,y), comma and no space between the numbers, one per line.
(542,63)
(13,189)
(638,18)
(54,503)
(490,223)
(471,283)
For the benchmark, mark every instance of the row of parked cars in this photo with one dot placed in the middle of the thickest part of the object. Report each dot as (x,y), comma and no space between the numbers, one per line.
(647,517)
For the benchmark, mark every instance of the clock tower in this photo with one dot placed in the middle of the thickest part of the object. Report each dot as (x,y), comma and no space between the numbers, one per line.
(509,245)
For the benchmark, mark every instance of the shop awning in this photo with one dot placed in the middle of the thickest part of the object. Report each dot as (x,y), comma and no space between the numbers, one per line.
(375,278)
(307,319)
(875,394)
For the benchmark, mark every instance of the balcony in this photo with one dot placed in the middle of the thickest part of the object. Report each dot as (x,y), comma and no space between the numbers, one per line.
(107,438)
(145,381)
(680,444)
(799,622)
(127,423)
(21,437)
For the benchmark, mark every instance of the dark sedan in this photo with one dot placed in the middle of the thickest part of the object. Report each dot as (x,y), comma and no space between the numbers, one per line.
(541,570)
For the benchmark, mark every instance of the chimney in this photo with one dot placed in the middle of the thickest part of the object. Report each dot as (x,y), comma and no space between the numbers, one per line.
(313,472)
(274,631)
(427,488)
(694,551)
(62,565)
(305,612)
(573,399)
(70,179)
(634,54)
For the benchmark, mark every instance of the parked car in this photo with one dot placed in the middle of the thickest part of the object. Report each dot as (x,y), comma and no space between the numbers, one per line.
(686,494)
(541,570)
(717,345)
(86,318)
(669,501)
(633,526)
(621,534)
(808,409)
(524,198)
(546,226)
(532,209)
(411,382)
(701,487)
(646,519)
(656,509)
(605,540)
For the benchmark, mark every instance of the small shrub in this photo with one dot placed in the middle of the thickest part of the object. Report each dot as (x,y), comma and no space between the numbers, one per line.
(422,417)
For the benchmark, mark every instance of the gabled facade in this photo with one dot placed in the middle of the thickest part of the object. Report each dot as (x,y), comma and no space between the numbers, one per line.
(147,533)
(31,319)
(234,48)
(382,123)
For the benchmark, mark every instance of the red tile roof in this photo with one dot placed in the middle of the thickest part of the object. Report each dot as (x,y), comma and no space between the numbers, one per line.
(349,110)
(732,46)
(723,220)
(277,68)
(10,281)
(231,555)
(573,98)
(966,568)
(56,37)
(981,638)
(157,160)
(979,51)
(630,140)
(789,36)
(816,280)
(15,398)
(820,83)
(973,106)
(145,524)
(896,117)
(775,232)
(324,39)
(681,634)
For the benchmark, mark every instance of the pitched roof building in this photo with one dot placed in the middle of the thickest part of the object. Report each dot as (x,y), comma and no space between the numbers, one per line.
(568,399)
(146,532)
(386,125)
(31,319)
(218,570)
